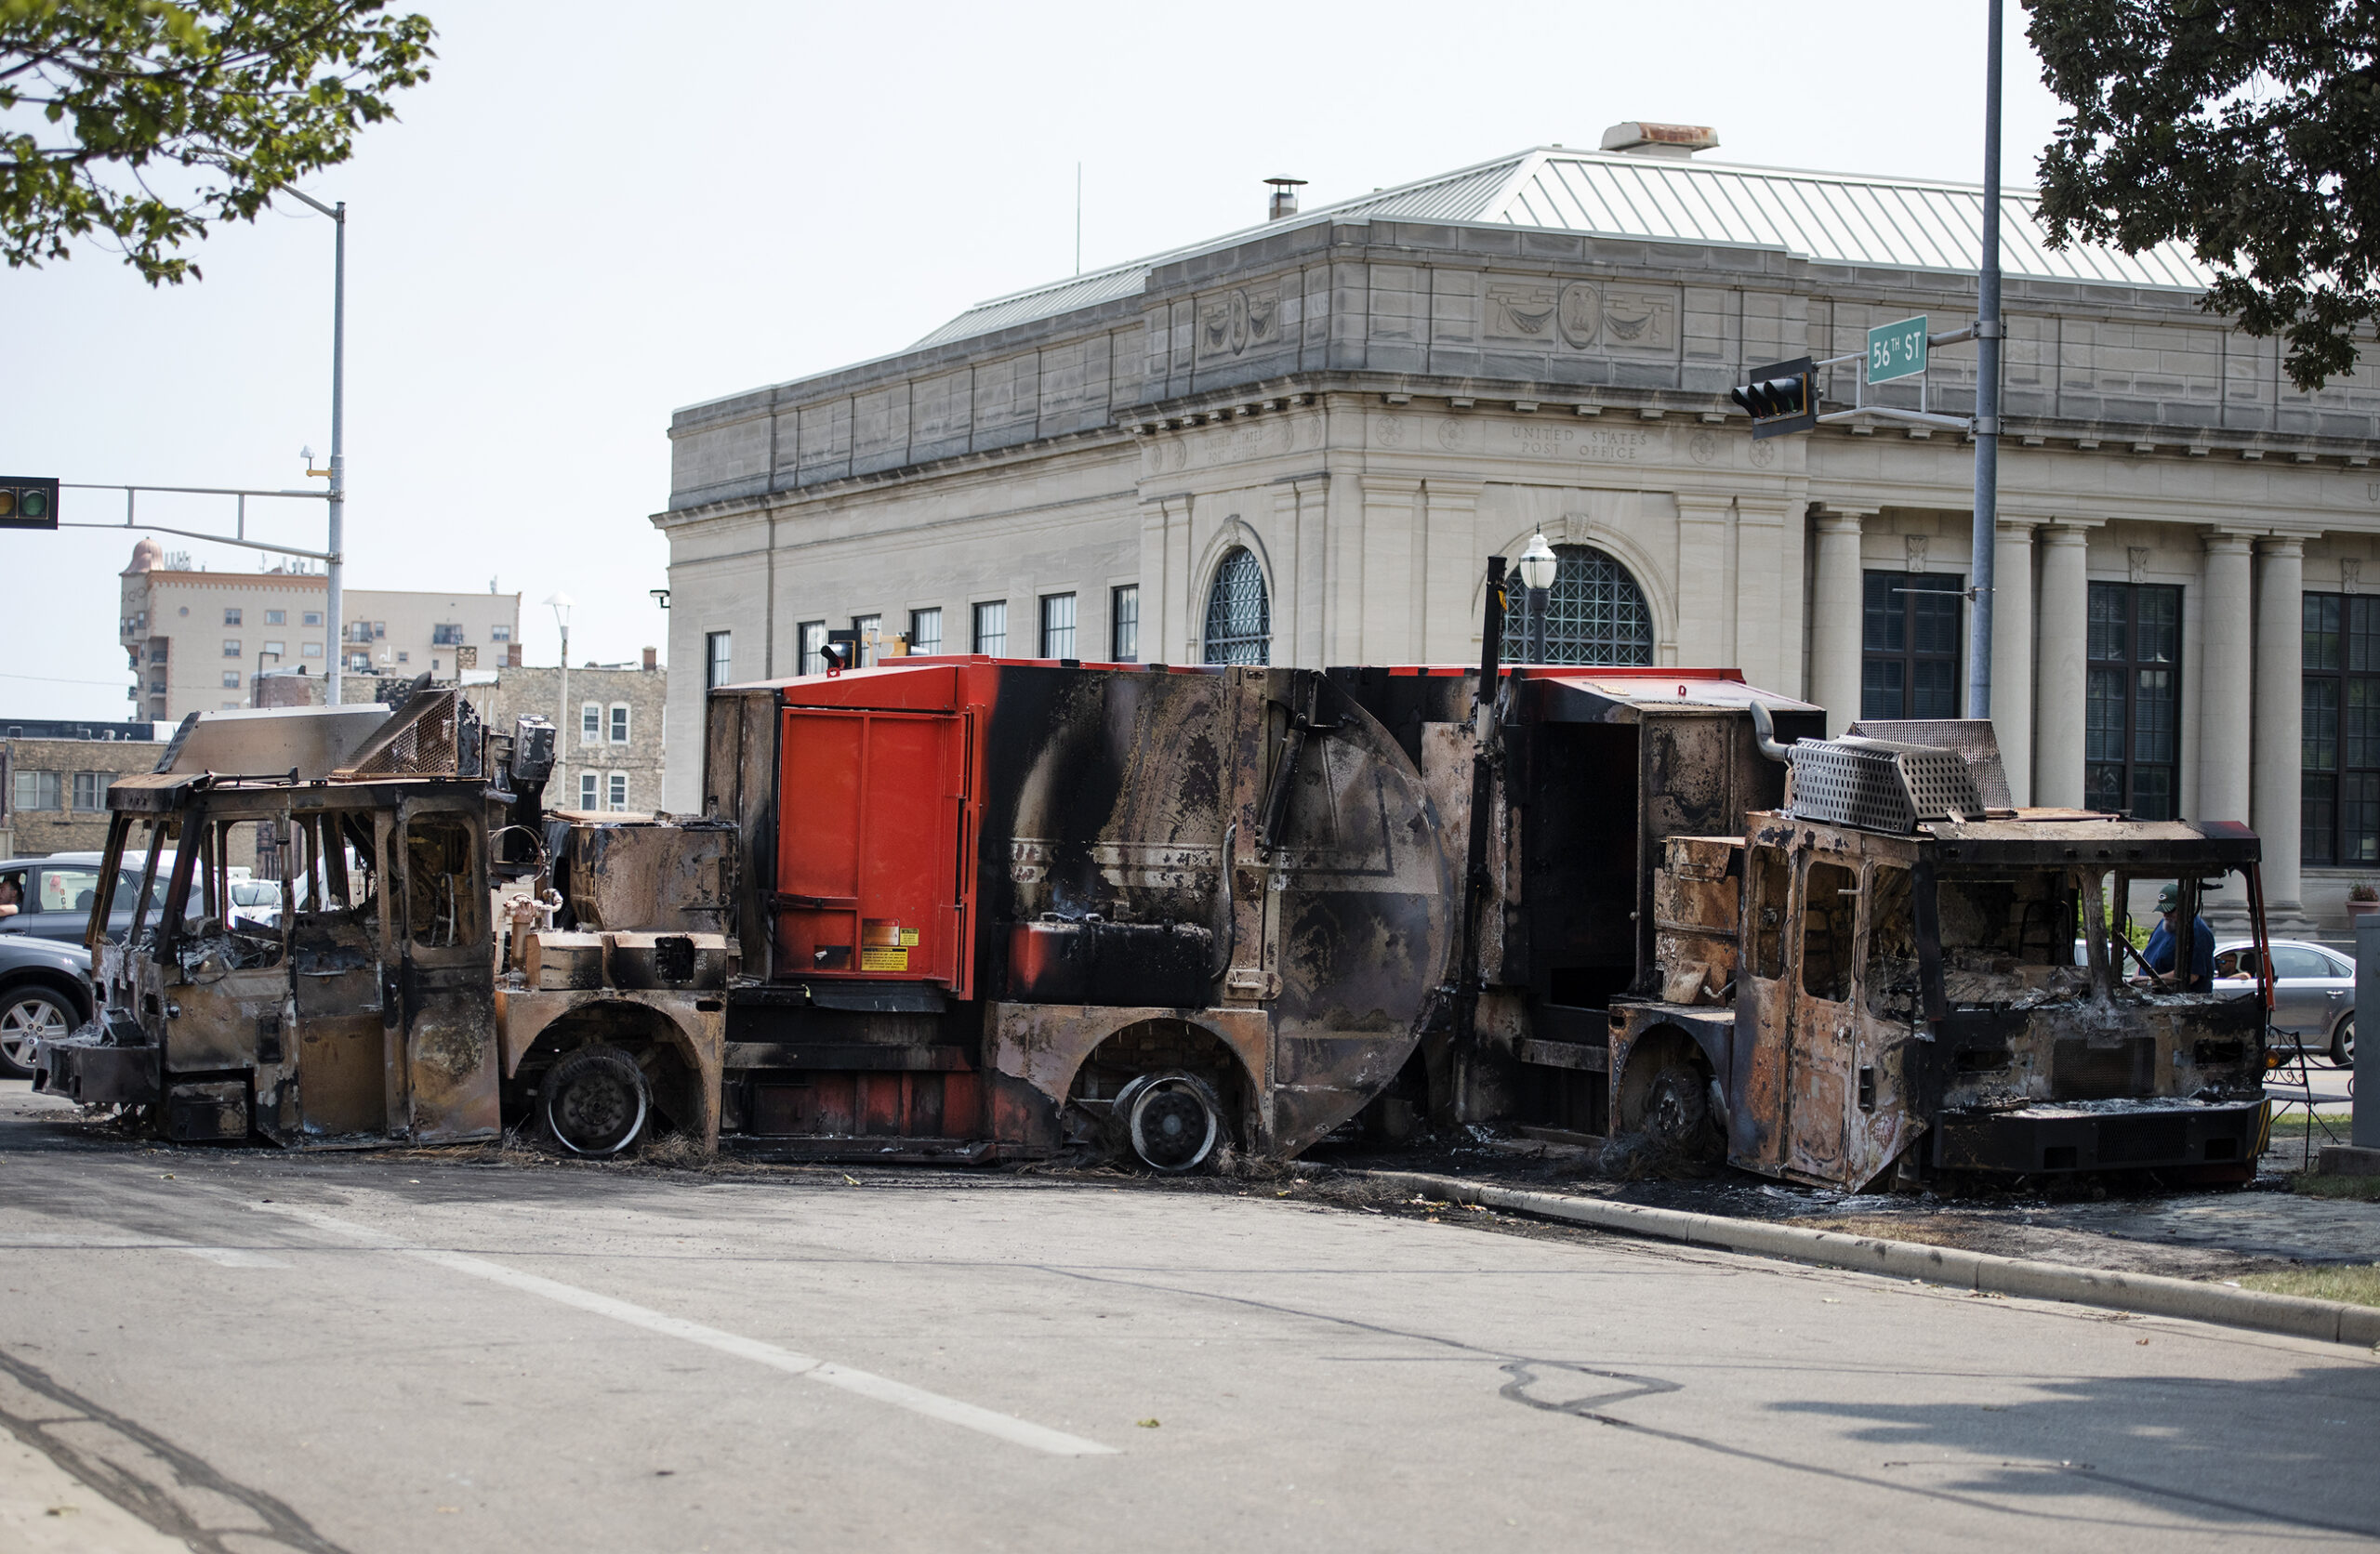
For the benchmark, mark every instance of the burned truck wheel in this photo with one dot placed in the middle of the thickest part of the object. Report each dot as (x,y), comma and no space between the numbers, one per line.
(1171,1122)
(1664,1095)
(594,1102)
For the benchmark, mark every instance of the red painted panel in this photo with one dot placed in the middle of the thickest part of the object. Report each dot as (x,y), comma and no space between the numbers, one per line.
(870,823)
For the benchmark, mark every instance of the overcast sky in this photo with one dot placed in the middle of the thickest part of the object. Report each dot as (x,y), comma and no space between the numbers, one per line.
(595,213)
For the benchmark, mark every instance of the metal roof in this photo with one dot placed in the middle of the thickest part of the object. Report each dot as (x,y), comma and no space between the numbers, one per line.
(1826,217)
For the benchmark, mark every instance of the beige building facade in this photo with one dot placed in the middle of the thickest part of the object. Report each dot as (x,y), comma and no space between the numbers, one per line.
(197,639)
(1302,443)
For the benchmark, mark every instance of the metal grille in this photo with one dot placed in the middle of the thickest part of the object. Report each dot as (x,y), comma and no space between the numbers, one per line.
(434,734)
(1972,738)
(1593,615)
(1239,618)
(1879,786)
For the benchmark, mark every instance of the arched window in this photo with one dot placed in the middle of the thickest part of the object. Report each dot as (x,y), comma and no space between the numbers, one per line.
(1594,613)
(1239,621)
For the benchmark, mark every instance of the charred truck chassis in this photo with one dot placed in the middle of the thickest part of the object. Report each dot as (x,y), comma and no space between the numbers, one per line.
(991,909)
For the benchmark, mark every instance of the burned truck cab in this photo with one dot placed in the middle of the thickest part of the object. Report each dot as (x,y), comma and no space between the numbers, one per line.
(310,960)
(1890,977)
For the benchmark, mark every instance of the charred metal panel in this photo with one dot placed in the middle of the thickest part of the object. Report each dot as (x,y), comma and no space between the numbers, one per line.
(1697,903)
(1061,962)
(209,1111)
(663,879)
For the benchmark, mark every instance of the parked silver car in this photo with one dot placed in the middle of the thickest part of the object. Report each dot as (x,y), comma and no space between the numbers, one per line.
(2313,1002)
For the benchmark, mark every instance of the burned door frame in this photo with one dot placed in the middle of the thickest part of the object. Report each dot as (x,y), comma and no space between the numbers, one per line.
(438,1001)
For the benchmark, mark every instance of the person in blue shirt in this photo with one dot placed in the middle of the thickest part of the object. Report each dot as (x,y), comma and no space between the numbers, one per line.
(2163,939)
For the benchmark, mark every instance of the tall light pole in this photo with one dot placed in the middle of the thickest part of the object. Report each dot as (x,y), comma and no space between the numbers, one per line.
(561,604)
(333,614)
(1987,388)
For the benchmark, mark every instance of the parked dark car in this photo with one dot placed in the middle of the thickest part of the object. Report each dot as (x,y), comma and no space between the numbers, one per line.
(55,895)
(45,991)
(2313,995)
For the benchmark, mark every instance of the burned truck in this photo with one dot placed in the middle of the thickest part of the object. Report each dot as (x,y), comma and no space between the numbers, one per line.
(366,1005)
(1841,962)
(945,910)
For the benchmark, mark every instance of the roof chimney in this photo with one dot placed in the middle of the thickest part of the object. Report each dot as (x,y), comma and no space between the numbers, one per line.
(1678,142)
(1285,198)
(652,660)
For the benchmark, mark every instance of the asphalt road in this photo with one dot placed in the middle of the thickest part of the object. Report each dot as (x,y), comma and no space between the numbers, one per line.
(240,1351)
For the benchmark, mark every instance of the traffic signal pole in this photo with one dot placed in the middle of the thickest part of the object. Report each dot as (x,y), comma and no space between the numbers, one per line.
(1987,390)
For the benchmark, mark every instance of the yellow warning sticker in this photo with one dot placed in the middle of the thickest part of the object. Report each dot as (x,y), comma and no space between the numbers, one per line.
(909,937)
(871,959)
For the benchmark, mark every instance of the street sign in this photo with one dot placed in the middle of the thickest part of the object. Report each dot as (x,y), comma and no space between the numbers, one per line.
(28,502)
(1897,350)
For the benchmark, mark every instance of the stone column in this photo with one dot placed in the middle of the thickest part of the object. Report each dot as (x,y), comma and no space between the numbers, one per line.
(1761,591)
(2059,679)
(2226,676)
(1835,602)
(1452,570)
(1389,627)
(2278,721)
(2012,654)
(1706,605)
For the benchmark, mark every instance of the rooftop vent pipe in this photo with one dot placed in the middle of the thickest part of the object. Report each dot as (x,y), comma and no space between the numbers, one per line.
(1285,198)
(1678,141)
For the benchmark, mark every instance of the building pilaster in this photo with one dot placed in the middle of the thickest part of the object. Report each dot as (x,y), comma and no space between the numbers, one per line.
(2226,677)
(1445,631)
(1836,616)
(1388,602)
(1706,605)
(1761,582)
(2012,654)
(2279,725)
(2059,680)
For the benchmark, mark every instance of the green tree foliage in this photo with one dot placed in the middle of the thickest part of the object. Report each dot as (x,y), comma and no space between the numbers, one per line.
(2248,130)
(141,122)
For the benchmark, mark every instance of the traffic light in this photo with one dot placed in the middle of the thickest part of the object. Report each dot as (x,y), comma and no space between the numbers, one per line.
(28,502)
(1780,398)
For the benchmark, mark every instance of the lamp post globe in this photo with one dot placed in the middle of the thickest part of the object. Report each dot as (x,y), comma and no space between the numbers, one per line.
(1537,564)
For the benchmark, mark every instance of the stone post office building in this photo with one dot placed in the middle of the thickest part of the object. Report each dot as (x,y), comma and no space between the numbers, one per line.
(1301,442)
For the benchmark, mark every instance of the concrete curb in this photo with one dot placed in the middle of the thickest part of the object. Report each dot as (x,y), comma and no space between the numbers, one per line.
(2330,1320)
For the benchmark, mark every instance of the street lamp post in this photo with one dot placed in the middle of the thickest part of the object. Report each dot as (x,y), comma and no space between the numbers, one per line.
(1537,567)
(561,604)
(335,611)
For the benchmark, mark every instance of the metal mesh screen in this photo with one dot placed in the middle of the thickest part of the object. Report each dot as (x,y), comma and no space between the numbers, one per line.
(1972,738)
(1594,613)
(1239,618)
(1880,787)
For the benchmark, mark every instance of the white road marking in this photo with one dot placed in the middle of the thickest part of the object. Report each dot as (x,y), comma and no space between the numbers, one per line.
(232,1257)
(916,1400)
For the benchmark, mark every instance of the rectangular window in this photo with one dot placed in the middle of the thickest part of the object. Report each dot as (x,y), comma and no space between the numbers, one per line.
(2339,814)
(91,790)
(37,790)
(310,617)
(587,793)
(230,617)
(230,679)
(359,663)
(590,722)
(311,650)
(925,631)
(499,633)
(991,628)
(811,635)
(1909,644)
(2130,712)
(718,656)
(404,656)
(1124,631)
(445,636)
(277,648)
(620,722)
(276,617)
(619,790)
(870,631)
(231,647)
(1057,626)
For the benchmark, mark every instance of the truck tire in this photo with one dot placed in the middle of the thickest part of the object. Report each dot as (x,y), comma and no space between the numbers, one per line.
(1677,1112)
(594,1102)
(1171,1122)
